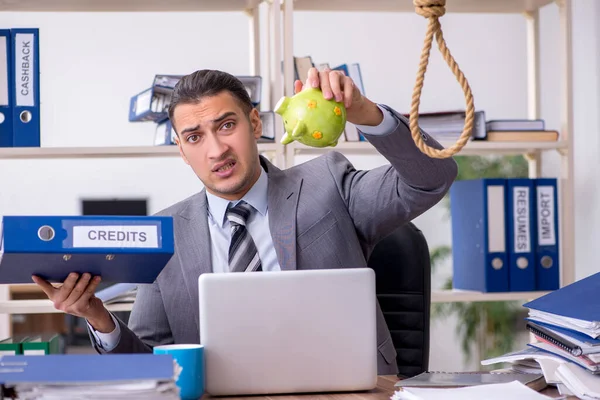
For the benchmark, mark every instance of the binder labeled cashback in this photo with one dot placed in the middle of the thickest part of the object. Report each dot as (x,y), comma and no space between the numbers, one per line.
(26,86)
(479,250)
(120,249)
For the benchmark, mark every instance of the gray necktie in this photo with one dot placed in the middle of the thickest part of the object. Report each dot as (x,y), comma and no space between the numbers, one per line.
(243,255)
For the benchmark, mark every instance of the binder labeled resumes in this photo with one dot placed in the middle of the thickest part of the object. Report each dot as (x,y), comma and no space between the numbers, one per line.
(26,86)
(546,252)
(6,93)
(120,249)
(479,249)
(520,234)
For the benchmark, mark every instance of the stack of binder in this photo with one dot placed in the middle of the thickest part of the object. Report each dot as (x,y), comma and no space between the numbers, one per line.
(32,345)
(566,326)
(152,104)
(19,87)
(567,322)
(90,376)
(505,234)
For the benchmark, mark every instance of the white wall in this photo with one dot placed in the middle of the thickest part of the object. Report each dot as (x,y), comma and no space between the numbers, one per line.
(93,62)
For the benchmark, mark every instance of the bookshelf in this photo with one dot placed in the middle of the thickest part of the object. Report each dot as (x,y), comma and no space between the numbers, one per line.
(128,5)
(533,151)
(472,148)
(256,39)
(279,47)
(103,152)
(43,306)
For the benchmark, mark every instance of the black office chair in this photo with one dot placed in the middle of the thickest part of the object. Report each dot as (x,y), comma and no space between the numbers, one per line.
(403,281)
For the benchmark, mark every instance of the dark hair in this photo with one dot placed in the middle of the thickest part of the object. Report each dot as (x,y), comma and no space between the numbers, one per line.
(205,83)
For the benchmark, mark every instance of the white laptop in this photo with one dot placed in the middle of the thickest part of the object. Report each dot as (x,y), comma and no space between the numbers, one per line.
(289,331)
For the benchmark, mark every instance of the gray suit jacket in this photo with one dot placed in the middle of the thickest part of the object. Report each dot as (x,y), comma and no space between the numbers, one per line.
(322,214)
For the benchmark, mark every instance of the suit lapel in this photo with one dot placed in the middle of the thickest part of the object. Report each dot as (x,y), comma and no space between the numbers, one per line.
(195,251)
(283,194)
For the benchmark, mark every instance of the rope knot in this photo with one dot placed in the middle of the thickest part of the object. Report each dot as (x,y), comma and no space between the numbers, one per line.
(430,8)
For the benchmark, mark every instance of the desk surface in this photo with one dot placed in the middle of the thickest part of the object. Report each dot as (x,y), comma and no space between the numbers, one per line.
(385,389)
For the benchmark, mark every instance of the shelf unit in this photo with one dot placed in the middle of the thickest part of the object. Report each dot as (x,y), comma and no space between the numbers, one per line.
(103,152)
(530,10)
(279,47)
(272,84)
(472,148)
(44,306)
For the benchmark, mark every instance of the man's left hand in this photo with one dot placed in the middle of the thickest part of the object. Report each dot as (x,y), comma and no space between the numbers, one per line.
(335,85)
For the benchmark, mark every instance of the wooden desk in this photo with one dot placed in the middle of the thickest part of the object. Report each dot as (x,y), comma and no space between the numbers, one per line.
(385,389)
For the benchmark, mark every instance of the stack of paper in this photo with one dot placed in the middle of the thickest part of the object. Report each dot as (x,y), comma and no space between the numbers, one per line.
(566,324)
(118,293)
(90,376)
(145,390)
(496,391)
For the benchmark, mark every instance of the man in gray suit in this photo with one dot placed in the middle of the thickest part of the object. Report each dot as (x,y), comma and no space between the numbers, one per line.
(252,216)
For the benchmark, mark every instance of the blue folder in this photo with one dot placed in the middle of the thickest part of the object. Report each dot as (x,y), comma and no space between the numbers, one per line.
(520,224)
(578,300)
(590,341)
(121,249)
(547,250)
(479,253)
(6,89)
(26,80)
(86,368)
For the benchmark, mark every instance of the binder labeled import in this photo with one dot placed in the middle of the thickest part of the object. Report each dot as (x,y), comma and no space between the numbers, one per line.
(120,249)
(546,252)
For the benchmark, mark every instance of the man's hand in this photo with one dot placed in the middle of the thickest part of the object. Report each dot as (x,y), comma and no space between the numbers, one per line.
(76,297)
(335,85)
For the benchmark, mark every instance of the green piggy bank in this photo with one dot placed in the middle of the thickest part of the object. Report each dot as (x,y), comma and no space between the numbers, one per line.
(311,119)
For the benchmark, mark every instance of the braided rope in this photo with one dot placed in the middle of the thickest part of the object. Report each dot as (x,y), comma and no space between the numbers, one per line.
(432,10)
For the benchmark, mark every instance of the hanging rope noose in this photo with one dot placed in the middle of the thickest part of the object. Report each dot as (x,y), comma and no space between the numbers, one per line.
(432,10)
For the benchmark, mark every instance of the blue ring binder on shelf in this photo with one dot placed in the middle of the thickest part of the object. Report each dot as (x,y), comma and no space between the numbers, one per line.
(121,249)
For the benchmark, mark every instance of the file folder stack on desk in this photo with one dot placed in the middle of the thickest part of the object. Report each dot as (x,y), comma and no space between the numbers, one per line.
(567,322)
(566,325)
(90,376)
(120,249)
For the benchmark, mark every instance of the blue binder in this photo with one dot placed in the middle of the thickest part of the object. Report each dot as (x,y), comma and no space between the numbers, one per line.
(149,105)
(121,249)
(165,83)
(478,235)
(26,111)
(520,201)
(86,368)
(6,91)
(578,300)
(547,245)
(165,134)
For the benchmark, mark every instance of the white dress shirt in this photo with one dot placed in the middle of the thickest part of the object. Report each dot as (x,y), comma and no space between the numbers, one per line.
(257,224)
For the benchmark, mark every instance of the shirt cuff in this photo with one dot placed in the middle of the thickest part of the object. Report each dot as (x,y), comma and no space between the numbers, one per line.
(387,126)
(107,341)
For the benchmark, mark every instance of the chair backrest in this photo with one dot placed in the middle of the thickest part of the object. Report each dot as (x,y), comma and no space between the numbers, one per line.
(402,266)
